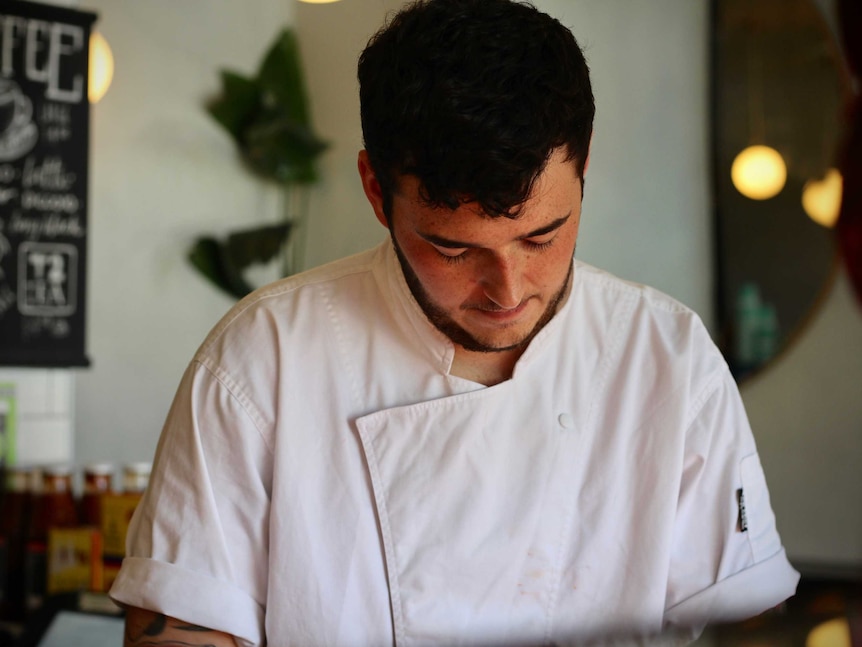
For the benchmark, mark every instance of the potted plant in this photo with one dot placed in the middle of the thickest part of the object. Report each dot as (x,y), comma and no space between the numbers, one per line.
(268,118)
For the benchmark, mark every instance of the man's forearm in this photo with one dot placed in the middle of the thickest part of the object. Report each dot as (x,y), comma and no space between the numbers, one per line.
(147,628)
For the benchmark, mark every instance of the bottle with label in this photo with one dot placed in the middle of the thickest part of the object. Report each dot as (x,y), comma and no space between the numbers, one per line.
(117,511)
(16,510)
(98,481)
(53,507)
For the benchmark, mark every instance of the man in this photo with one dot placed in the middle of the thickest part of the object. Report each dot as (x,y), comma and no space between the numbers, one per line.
(462,436)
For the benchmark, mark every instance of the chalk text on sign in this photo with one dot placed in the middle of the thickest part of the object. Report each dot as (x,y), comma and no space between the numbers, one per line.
(43,52)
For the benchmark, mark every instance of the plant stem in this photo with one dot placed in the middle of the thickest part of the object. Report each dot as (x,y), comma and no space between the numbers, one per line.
(295,212)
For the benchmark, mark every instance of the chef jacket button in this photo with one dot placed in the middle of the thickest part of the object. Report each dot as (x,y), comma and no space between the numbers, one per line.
(566,421)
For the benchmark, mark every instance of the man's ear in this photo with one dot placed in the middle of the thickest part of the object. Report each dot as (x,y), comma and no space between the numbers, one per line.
(371,186)
(587,161)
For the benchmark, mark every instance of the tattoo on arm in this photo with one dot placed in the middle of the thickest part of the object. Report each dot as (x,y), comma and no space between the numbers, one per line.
(161,631)
(157,626)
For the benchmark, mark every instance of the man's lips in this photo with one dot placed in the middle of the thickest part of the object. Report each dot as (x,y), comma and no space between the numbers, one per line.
(496,313)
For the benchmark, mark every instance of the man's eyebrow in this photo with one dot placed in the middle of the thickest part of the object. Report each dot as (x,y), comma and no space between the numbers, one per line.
(439,241)
(556,224)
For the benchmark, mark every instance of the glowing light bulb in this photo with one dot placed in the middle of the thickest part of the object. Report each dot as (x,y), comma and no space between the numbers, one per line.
(821,199)
(758,172)
(101,67)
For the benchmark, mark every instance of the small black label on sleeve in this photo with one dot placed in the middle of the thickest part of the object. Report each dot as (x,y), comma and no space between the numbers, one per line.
(742,522)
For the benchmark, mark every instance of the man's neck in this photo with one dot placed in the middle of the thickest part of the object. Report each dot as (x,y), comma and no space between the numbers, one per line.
(490,368)
(485,368)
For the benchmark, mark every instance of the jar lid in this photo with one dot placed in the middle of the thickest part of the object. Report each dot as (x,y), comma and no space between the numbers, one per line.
(37,477)
(139,468)
(18,478)
(60,469)
(99,469)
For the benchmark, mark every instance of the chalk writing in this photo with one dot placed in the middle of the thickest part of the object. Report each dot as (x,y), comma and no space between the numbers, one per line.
(36,327)
(7,298)
(57,134)
(56,121)
(47,279)
(8,173)
(5,248)
(50,175)
(44,134)
(62,202)
(55,113)
(46,53)
(7,195)
(50,226)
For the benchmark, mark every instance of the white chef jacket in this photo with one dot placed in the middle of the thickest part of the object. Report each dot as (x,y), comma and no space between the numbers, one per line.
(322,479)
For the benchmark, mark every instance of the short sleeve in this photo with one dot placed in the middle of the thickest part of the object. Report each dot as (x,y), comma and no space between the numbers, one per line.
(727,561)
(198,543)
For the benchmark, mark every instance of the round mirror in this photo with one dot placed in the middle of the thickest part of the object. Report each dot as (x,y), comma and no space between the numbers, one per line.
(777,101)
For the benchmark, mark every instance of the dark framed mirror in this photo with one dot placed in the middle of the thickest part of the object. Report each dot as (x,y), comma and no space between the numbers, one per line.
(778,82)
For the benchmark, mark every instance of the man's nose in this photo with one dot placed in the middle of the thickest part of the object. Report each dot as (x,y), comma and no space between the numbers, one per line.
(501,281)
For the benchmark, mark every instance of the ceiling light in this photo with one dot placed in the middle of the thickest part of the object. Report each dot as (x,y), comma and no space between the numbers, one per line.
(101,67)
(758,172)
(821,199)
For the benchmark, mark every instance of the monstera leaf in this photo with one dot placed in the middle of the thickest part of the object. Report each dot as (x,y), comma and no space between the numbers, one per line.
(268,118)
(268,115)
(223,262)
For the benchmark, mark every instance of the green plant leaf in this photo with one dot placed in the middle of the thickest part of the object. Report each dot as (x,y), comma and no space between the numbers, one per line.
(283,150)
(281,80)
(204,256)
(259,245)
(207,255)
(234,279)
(222,263)
(238,104)
(268,116)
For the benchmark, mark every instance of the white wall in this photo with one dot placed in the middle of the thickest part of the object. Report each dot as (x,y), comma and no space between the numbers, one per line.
(646,206)
(161,173)
(331,37)
(43,415)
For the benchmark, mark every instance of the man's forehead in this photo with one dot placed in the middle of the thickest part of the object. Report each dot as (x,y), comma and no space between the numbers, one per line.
(470,226)
(409,187)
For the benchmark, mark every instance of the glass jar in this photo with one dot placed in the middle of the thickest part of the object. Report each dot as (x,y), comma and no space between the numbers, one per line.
(136,476)
(98,481)
(15,518)
(53,507)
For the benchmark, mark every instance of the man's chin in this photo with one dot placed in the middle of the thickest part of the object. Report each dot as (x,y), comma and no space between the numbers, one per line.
(484,343)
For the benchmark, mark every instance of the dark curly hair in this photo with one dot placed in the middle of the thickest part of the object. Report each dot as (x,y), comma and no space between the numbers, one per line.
(472,97)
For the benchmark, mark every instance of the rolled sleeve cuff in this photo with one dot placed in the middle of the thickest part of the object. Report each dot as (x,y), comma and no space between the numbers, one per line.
(740,596)
(191,597)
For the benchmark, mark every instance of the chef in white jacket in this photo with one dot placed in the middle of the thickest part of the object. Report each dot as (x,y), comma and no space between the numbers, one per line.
(463,436)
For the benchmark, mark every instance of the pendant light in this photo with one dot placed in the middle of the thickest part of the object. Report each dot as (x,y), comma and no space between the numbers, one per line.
(821,198)
(101,69)
(758,172)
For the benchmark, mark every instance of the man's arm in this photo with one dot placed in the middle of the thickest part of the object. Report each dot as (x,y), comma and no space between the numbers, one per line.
(147,628)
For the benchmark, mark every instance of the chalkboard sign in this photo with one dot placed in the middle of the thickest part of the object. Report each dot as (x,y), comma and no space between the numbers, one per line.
(44,143)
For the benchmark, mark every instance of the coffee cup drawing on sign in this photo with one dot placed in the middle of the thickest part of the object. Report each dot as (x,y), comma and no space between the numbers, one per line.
(18,133)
